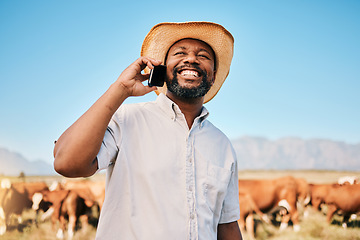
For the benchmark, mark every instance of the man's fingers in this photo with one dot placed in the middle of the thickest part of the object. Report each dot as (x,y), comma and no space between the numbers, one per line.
(133,78)
(144,90)
(149,62)
(153,88)
(145,76)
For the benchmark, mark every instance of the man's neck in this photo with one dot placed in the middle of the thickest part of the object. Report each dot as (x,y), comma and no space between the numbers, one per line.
(190,107)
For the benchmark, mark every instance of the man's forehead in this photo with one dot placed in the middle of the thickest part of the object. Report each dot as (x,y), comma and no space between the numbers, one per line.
(185,43)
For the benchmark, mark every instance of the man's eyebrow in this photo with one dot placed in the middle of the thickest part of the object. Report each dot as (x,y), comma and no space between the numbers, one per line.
(204,50)
(201,49)
(183,48)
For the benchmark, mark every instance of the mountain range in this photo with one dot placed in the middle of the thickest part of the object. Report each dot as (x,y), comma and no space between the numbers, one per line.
(293,153)
(253,153)
(13,164)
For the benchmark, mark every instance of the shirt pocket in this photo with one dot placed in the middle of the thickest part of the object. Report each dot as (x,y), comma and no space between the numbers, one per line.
(215,186)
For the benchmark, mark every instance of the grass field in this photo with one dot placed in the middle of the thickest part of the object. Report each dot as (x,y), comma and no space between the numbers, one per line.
(313,227)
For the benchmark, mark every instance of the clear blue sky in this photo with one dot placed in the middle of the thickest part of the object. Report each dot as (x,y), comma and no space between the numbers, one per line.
(295,71)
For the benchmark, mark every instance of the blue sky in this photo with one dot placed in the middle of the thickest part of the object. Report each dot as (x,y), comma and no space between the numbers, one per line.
(295,71)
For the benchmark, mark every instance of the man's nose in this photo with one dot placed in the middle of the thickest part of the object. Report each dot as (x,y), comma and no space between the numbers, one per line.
(191,58)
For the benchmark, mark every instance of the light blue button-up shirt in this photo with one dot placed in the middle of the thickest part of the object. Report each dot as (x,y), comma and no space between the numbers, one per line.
(164,180)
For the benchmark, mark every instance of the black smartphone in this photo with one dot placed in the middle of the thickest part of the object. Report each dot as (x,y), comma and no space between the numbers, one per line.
(157,76)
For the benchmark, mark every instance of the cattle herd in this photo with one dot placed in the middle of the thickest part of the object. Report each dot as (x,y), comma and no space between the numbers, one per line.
(281,198)
(64,203)
(68,203)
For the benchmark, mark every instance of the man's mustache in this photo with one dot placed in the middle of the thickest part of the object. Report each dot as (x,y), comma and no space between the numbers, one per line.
(193,66)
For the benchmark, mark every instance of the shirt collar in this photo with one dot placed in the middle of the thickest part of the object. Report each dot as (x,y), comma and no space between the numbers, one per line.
(173,111)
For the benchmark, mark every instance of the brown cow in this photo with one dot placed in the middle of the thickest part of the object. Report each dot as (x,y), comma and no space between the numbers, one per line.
(268,193)
(14,198)
(66,204)
(30,187)
(348,180)
(74,208)
(96,190)
(318,192)
(247,209)
(303,191)
(343,199)
(303,195)
(50,199)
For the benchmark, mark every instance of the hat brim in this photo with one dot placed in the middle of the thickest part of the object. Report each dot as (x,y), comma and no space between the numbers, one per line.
(162,36)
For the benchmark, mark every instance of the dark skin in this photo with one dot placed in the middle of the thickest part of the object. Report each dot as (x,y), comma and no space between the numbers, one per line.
(229,231)
(191,52)
(75,151)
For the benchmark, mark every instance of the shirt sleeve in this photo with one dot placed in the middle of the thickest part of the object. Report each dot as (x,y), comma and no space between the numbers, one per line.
(109,147)
(231,210)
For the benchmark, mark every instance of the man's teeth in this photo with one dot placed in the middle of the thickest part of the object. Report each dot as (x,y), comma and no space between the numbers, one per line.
(189,73)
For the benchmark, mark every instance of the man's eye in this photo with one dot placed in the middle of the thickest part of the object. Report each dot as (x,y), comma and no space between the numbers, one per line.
(179,53)
(204,56)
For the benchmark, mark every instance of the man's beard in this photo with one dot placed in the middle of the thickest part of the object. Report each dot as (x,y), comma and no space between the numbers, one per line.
(194,92)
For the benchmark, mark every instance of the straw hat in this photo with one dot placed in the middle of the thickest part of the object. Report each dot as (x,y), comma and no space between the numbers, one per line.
(163,35)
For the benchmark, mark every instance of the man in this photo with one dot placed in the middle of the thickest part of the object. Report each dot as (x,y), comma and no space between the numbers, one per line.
(170,173)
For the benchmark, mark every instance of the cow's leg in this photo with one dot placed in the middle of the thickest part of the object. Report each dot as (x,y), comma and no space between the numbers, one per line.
(285,212)
(47,214)
(19,219)
(294,213)
(284,221)
(250,229)
(2,229)
(295,220)
(54,220)
(345,220)
(331,210)
(71,226)
(241,223)
(84,219)
(37,218)
(60,233)
(2,222)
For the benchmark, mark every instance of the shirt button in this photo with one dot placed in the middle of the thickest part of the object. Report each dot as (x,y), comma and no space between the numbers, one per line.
(192,216)
(190,188)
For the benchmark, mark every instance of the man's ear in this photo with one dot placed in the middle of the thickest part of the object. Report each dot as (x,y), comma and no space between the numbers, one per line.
(213,80)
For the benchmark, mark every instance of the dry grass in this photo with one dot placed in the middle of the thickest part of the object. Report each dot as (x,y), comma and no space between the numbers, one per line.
(312,176)
(314,227)
(28,230)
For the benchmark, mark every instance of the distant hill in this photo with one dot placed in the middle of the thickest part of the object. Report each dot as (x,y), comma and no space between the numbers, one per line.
(295,153)
(253,153)
(12,164)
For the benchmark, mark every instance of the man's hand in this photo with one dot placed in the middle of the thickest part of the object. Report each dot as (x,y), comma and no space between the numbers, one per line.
(76,150)
(131,78)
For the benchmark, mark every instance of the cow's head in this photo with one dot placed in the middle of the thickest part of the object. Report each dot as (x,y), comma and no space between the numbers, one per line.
(5,183)
(36,199)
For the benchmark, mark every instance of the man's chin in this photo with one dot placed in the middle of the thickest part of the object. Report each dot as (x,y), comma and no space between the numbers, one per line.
(189,84)
(189,89)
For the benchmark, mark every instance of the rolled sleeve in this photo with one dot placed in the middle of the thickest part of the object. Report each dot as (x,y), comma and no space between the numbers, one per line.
(109,148)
